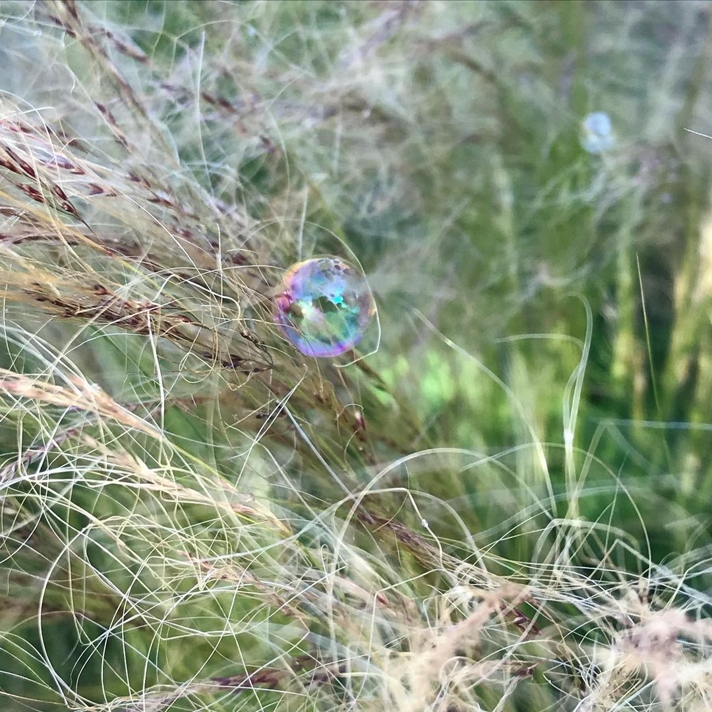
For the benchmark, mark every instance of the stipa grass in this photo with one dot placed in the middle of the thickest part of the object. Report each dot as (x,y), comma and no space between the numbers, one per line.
(195,516)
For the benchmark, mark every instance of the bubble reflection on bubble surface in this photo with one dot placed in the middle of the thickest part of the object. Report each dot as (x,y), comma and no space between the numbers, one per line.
(324,306)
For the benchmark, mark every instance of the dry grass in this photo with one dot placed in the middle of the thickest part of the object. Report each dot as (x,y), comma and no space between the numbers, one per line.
(194,516)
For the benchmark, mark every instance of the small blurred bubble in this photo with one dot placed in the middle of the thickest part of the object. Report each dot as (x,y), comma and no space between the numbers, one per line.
(597,133)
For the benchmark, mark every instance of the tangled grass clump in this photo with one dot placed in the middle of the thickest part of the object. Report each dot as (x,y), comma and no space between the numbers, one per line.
(504,506)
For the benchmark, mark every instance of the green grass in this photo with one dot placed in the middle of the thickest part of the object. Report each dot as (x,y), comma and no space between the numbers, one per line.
(501,502)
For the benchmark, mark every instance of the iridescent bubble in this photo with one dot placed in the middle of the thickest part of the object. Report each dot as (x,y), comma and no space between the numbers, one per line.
(324,306)
(597,133)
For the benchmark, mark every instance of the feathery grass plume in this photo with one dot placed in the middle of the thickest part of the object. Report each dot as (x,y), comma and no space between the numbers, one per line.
(457,517)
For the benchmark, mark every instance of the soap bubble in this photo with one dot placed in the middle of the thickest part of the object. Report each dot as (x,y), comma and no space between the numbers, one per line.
(597,132)
(324,306)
